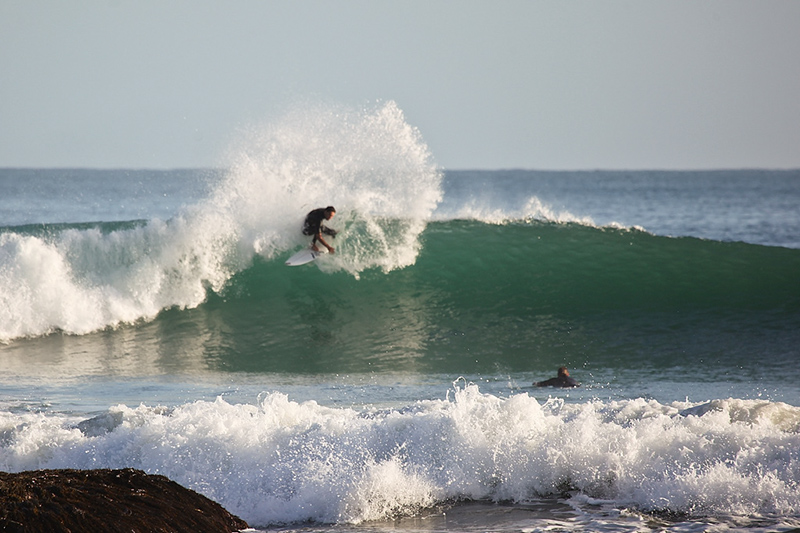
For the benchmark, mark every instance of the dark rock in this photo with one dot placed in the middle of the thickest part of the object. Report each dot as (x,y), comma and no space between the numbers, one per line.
(94,501)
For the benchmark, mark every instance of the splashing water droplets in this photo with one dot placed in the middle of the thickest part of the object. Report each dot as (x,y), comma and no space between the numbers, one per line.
(368,163)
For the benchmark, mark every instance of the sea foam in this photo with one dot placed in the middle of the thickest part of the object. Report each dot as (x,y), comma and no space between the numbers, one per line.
(278,461)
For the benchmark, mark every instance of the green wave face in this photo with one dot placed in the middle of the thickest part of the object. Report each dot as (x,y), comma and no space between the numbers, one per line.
(483,297)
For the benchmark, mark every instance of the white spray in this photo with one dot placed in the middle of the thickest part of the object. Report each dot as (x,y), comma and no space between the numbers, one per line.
(369,163)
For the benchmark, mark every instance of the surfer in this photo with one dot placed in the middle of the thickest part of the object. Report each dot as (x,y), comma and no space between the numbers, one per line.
(313,226)
(562,380)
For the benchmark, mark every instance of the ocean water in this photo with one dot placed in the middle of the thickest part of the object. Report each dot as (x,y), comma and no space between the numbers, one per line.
(147,320)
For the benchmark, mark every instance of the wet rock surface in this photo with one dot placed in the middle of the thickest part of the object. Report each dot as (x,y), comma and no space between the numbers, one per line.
(106,501)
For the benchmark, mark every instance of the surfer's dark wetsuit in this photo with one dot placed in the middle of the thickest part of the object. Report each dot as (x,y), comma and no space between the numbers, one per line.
(562,380)
(313,225)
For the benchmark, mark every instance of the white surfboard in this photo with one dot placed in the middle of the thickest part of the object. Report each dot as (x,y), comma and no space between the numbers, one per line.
(302,257)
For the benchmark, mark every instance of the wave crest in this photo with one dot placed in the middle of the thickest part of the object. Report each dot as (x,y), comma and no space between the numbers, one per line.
(369,163)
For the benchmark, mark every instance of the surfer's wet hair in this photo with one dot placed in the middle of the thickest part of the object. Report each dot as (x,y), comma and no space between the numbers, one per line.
(330,209)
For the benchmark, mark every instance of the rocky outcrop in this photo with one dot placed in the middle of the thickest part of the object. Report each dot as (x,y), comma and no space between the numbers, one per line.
(94,501)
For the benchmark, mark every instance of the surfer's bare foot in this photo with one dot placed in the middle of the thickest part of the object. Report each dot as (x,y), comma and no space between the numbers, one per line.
(314,247)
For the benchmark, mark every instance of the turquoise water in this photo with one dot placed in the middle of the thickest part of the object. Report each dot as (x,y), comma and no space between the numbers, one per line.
(148,321)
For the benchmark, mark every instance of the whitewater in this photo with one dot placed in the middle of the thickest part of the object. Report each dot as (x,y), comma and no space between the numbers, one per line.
(79,281)
(147,320)
(280,461)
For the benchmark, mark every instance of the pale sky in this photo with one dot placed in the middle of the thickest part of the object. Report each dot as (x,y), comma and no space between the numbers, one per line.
(565,84)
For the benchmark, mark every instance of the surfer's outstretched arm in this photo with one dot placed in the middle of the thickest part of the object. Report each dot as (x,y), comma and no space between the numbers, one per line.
(328,246)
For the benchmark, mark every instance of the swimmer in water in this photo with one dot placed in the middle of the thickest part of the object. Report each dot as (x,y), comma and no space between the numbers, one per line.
(562,380)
